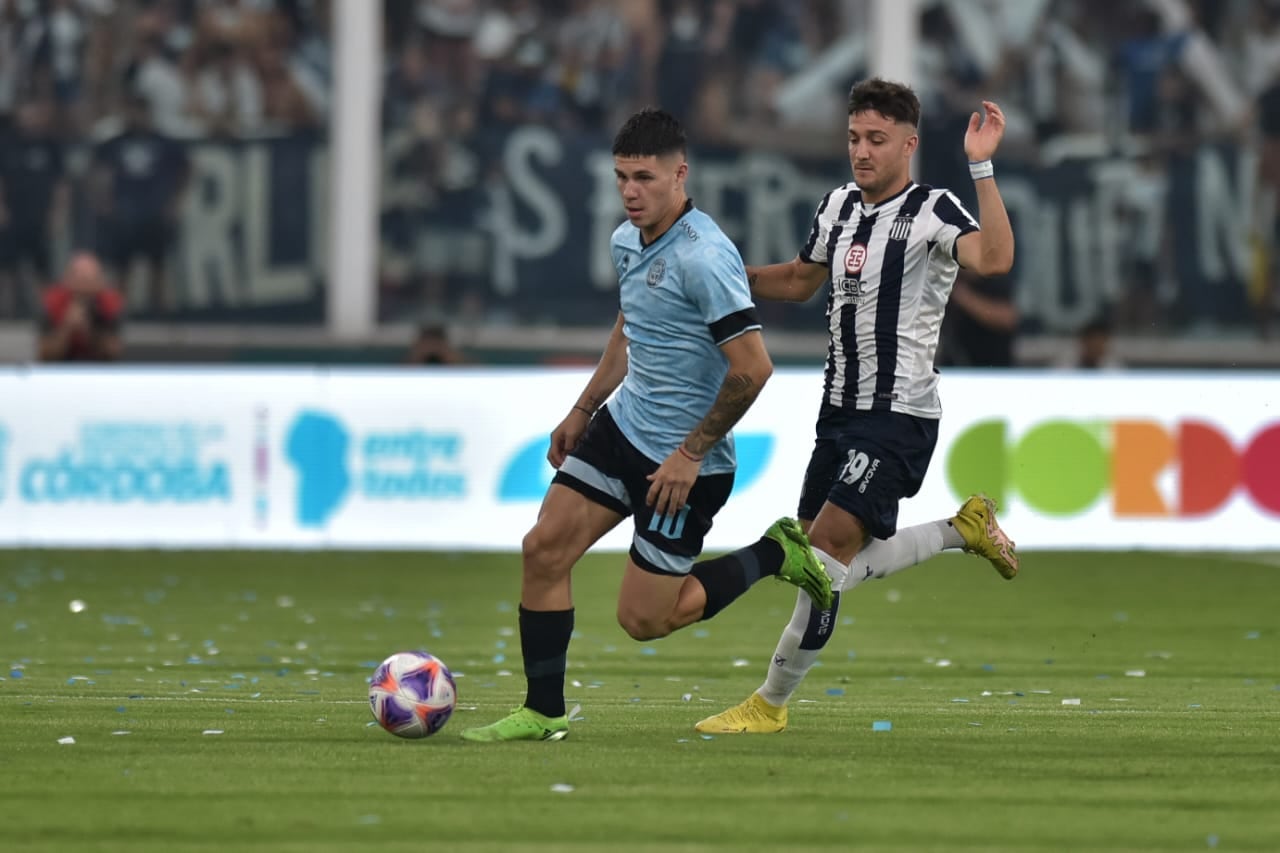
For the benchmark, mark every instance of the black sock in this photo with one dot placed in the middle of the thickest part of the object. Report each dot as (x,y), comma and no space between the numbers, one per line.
(544,643)
(822,624)
(725,578)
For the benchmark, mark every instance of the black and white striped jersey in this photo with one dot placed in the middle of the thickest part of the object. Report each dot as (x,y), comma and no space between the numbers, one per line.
(892,265)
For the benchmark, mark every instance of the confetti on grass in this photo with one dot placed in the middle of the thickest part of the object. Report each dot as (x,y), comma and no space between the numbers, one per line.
(66,741)
(561,788)
(881,726)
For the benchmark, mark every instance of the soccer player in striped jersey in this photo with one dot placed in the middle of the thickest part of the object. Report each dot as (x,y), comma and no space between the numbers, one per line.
(686,359)
(891,249)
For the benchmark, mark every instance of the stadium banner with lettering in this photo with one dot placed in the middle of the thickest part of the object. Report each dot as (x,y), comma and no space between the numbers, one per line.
(454,458)
(521,219)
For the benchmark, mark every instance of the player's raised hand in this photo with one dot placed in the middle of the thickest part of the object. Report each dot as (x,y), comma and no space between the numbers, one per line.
(985,131)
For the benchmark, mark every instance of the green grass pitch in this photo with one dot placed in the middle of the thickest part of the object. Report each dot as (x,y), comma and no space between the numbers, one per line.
(1174,661)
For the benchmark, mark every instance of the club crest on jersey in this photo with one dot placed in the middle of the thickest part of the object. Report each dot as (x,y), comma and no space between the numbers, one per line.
(901,228)
(855,259)
(657,270)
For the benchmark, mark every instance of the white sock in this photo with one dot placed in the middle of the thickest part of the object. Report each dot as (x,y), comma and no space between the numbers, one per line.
(880,558)
(791,663)
(786,671)
(906,548)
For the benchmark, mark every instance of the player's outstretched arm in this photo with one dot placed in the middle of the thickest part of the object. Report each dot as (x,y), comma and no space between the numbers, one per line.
(990,250)
(794,281)
(606,378)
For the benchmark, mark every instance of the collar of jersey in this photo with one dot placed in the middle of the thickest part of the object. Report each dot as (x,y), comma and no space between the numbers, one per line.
(688,206)
(879,204)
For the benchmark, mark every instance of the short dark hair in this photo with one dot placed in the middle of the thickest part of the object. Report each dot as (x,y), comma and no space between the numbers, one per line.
(650,133)
(892,100)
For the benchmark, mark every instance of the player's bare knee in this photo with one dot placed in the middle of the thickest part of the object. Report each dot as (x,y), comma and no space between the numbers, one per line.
(842,544)
(545,557)
(643,626)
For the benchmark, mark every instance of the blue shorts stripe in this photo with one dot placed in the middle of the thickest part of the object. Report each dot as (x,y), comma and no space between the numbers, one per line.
(592,476)
(651,558)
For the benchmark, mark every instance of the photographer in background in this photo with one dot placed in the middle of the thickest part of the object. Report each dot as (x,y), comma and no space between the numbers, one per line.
(1094,349)
(81,315)
(432,346)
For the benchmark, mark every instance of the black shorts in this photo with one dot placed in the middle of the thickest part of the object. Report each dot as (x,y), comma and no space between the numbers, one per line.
(865,463)
(608,469)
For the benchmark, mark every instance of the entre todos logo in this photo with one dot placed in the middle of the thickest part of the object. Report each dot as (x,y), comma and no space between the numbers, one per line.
(407,464)
(1152,470)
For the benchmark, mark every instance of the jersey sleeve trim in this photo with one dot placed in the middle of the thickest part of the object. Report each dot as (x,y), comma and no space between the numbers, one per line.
(806,253)
(950,212)
(732,325)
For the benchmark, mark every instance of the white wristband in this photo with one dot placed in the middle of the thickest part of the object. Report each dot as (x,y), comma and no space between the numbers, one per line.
(981,169)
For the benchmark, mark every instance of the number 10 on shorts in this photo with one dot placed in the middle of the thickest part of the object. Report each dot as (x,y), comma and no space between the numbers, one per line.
(670,526)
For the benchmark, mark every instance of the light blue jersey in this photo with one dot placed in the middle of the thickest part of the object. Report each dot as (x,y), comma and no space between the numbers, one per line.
(682,297)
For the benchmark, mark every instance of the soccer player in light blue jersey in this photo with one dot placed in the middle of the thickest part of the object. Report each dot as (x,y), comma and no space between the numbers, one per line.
(684,362)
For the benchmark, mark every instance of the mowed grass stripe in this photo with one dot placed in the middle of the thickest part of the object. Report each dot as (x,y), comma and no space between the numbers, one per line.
(1186,762)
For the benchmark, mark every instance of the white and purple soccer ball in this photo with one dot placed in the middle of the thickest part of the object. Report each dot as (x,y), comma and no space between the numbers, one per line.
(412,694)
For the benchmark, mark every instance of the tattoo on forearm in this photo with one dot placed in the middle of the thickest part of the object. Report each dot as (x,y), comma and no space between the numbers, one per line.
(736,396)
(752,279)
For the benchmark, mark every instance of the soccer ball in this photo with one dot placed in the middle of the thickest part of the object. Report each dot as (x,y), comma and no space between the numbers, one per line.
(412,694)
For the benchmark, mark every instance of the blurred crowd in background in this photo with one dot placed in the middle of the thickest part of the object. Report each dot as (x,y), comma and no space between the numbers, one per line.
(106,106)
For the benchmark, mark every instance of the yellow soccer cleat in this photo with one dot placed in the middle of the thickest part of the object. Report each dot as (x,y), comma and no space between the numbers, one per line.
(976,521)
(754,716)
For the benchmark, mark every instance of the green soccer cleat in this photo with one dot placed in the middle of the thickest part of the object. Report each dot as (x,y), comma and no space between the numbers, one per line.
(976,521)
(753,716)
(521,724)
(800,566)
